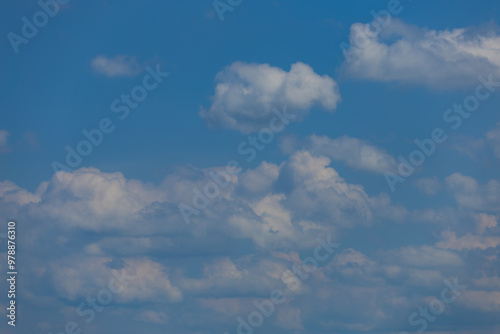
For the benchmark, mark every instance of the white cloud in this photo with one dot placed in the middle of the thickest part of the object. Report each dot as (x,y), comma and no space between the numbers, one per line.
(258,181)
(92,200)
(316,192)
(11,192)
(354,152)
(405,53)
(273,206)
(118,66)
(96,218)
(272,226)
(470,194)
(485,227)
(77,278)
(223,277)
(246,94)
(468,241)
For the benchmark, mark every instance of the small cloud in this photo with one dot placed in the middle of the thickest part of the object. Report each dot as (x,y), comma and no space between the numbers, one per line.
(469,146)
(31,139)
(485,222)
(210,14)
(246,95)
(430,186)
(467,241)
(4,141)
(355,152)
(494,139)
(153,317)
(468,193)
(118,66)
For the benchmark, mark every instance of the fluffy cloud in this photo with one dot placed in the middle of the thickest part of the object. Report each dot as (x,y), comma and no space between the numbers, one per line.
(80,197)
(258,181)
(470,194)
(76,278)
(316,192)
(12,193)
(272,206)
(485,238)
(354,152)
(405,53)
(263,223)
(246,95)
(118,66)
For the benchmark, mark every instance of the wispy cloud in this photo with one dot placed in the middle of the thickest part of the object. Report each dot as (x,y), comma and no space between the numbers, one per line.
(4,141)
(118,66)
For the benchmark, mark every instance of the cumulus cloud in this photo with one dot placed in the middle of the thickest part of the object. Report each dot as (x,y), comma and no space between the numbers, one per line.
(264,222)
(272,206)
(78,198)
(437,58)
(316,192)
(118,66)
(246,95)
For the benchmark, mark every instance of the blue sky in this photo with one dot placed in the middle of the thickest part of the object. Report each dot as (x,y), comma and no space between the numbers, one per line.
(326,172)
